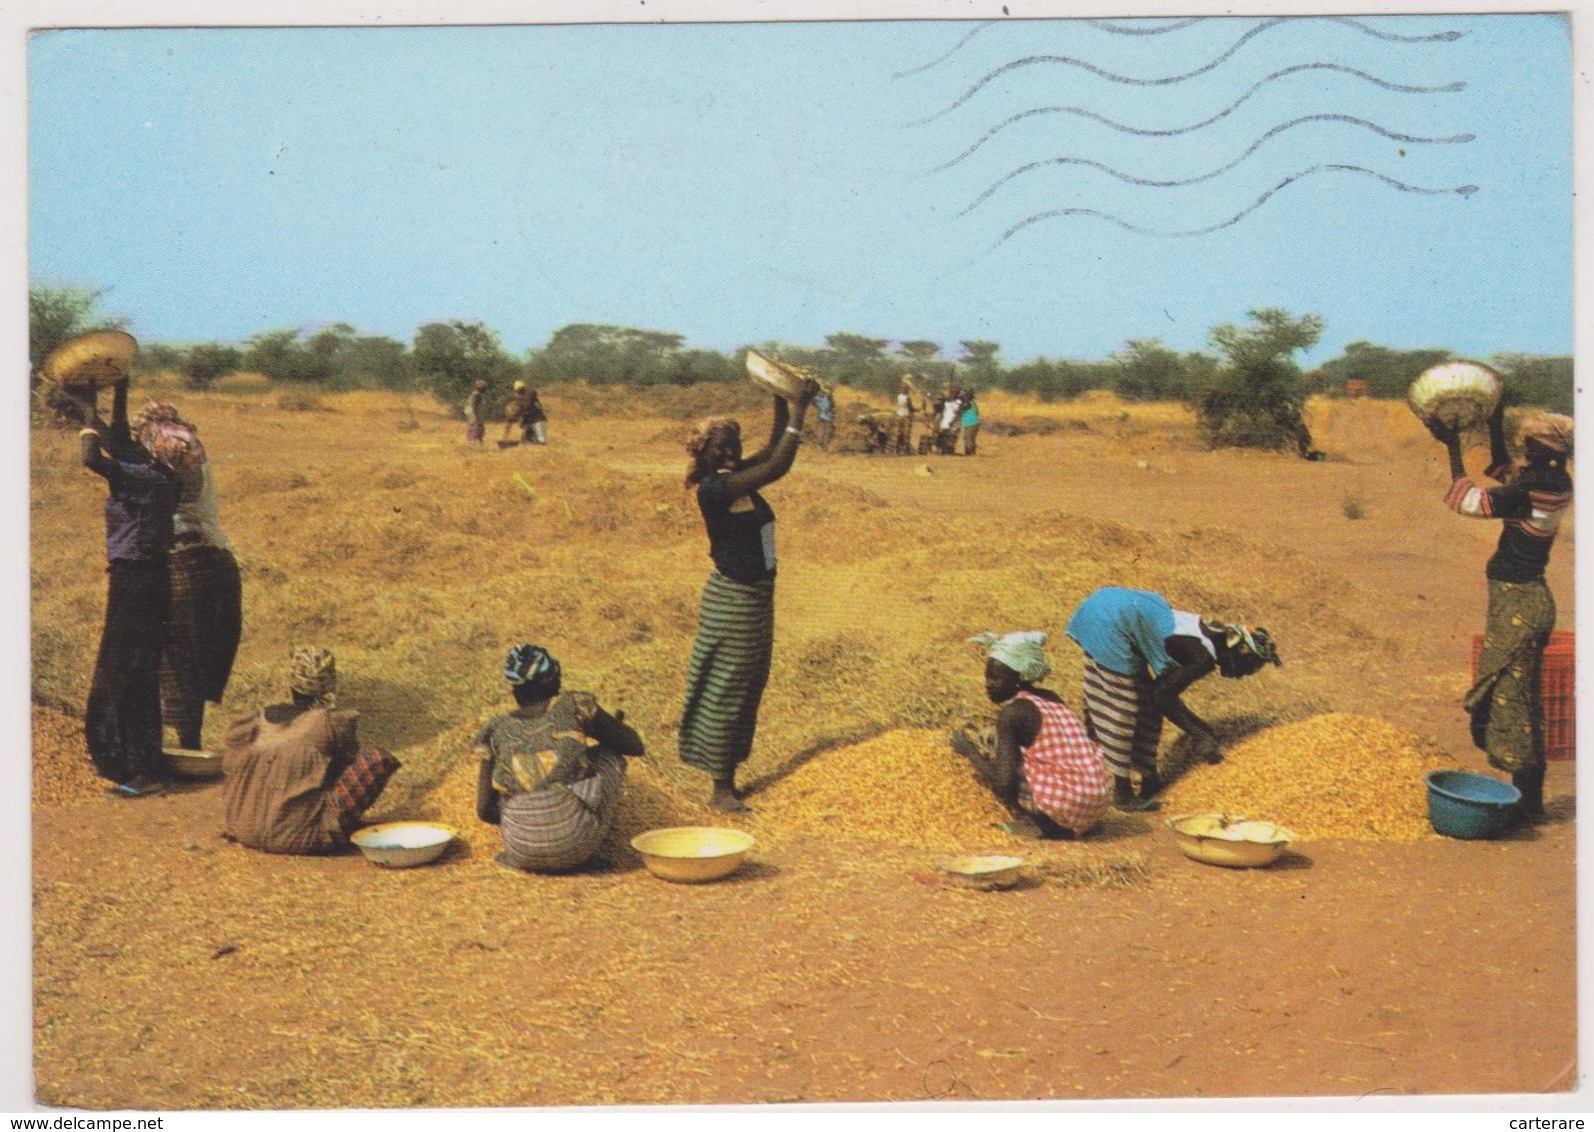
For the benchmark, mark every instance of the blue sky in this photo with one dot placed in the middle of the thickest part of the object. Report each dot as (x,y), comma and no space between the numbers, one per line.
(743,183)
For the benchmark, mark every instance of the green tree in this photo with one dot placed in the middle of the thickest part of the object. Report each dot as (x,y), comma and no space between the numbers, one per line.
(858,360)
(59,314)
(1532,379)
(918,352)
(450,357)
(153,357)
(281,356)
(980,359)
(1055,380)
(365,361)
(1386,372)
(1149,371)
(1255,399)
(207,361)
(610,355)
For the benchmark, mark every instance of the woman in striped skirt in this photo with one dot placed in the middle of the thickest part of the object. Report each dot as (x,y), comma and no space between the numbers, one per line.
(206,613)
(551,769)
(736,621)
(1140,656)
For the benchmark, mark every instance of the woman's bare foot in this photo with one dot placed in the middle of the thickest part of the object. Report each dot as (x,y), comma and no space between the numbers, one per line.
(727,799)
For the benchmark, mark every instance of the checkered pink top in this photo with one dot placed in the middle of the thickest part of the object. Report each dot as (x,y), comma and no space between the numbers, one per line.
(1065,770)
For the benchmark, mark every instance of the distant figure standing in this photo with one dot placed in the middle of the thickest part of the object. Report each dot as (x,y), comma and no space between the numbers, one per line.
(206,615)
(825,410)
(122,722)
(970,422)
(951,410)
(904,439)
(475,418)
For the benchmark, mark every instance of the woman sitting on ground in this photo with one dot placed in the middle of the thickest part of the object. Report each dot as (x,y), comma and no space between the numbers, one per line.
(551,769)
(1044,766)
(297,781)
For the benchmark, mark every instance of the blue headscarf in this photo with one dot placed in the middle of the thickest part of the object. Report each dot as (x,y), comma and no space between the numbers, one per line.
(532,668)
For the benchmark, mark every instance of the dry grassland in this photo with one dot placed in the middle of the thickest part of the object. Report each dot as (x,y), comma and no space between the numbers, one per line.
(418,561)
(365,524)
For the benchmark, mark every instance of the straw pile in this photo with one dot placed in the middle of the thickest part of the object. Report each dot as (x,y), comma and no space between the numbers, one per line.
(62,772)
(1335,776)
(905,787)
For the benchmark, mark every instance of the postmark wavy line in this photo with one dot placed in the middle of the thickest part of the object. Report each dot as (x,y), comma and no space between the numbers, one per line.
(1409,139)
(1085,112)
(1349,21)
(1161,29)
(953,50)
(1058,213)
(1102,72)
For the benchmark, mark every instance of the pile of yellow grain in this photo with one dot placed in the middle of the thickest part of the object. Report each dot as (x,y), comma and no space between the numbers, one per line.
(62,771)
(1336,776)
(905,786)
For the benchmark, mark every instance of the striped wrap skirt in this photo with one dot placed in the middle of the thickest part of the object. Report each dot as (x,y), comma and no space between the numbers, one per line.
(559,827)
(730,666)
(1122,719)
(202,630)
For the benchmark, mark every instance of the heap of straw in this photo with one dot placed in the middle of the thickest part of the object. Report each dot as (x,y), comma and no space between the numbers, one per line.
(1336,776)
(905,786)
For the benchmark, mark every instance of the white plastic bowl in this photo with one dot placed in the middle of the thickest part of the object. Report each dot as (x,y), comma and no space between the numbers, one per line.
(404,844)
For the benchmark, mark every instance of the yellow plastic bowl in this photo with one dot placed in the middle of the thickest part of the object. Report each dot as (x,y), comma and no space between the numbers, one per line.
(984,872)
(1232,842)
(192,764)
(404,844)
(692,854)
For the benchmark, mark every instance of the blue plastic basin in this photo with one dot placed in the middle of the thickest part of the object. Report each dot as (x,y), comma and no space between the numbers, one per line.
(1471,806)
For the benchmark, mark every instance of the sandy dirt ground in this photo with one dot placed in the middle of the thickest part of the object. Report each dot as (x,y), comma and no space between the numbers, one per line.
(829,971)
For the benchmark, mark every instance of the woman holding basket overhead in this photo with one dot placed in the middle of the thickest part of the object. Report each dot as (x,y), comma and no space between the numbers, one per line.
(1530,497)
(736,621)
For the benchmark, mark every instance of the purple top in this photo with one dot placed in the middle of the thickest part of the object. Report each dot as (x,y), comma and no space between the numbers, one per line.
(138,512)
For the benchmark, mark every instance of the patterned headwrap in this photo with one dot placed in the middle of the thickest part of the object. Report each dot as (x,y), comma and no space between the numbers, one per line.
(1246,640)
(169,438)
(710,445)
(1550,429)
(1024,653)
(312,671)
(531,667)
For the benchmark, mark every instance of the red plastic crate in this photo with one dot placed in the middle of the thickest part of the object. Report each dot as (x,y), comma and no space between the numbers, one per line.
(1558,693)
